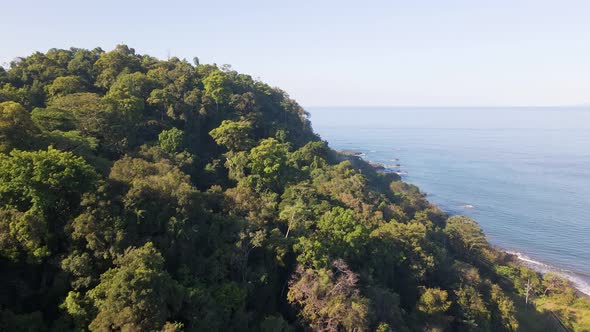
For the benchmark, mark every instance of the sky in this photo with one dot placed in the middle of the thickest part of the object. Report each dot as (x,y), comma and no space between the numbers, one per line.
(341,53)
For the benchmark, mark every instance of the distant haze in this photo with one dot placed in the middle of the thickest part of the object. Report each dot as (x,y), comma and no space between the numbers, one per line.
(346,53)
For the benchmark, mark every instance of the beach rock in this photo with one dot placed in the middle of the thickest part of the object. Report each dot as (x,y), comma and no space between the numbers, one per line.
(350,153)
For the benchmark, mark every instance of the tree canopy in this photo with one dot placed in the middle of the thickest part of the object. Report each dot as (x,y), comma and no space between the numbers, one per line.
(139,194)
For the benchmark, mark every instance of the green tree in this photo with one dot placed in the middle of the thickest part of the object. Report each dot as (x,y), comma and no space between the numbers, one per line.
(137,294)
(176,92)
(310,156)
(82,63)
(127,94)
(65,85)
(26,232)
(94,117)
(73,141)
(217,87)
(465,235)
(473,308)
(171,140)
(121,60)
(554,283)
(434,301)
(432,306)
(17,130)
(408,245)
(234,135)
(38,189)
(43,179)
(505,308)
(340,235)
(267,163)
(51,119)
(87,108)
(8,92)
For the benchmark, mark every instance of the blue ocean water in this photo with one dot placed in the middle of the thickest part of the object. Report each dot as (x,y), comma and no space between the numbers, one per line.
(522,173)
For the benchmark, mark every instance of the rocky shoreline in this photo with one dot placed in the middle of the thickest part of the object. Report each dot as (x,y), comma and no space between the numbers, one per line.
(379,167)
(515,257)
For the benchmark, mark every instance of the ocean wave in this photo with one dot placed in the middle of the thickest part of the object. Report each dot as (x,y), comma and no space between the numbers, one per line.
(393,166)
(580,283)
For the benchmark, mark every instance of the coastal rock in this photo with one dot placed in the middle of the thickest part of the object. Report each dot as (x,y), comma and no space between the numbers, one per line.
(351,153)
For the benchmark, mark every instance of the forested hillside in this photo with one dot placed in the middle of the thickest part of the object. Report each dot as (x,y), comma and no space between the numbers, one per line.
(138,194)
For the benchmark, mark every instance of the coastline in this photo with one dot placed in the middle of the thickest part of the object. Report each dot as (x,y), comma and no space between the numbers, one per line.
(576,281)
(581,286)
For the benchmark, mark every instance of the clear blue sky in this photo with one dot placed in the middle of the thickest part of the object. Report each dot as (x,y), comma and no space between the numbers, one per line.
(342,53)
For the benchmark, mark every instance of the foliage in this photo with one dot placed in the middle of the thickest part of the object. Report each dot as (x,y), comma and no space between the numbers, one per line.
(35,190)
(268,164)
(465,235)
(17,130)
(146,194)
(171,140)
(433,301)
(50,119)
(329,299)
(235,136)
(65,85)
(137,294)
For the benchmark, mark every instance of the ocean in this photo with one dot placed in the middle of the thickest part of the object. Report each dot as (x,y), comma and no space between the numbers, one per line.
(522,173)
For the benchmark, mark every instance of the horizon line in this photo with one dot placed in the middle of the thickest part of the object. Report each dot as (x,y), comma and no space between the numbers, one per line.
(446,106)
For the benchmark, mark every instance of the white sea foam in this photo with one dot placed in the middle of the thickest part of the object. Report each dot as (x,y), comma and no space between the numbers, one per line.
(577,281)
